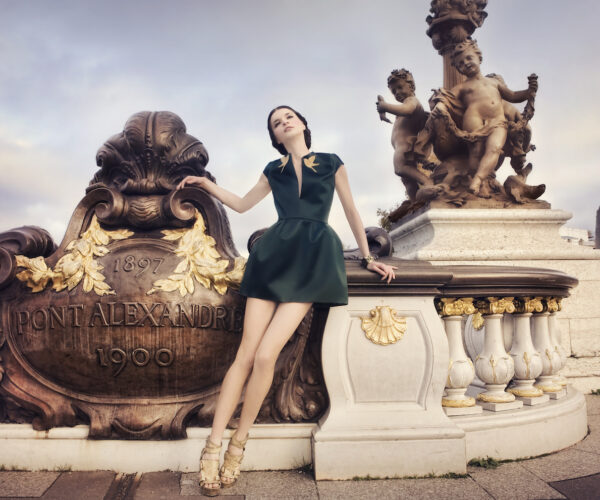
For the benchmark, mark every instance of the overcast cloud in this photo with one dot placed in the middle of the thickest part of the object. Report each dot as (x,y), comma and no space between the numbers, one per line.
(72,72)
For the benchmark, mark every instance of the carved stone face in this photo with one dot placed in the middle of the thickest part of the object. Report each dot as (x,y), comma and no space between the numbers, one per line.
(401,89)
(286,125)
(467,63)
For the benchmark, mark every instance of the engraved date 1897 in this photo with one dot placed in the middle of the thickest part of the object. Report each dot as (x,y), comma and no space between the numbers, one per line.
(130,263)
(140,357)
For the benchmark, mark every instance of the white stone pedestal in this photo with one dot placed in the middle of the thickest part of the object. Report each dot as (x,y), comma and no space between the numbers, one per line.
(518,237)
(450,235)
(385,417)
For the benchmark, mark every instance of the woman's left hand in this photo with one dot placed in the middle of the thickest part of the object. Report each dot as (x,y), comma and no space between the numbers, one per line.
(385,270)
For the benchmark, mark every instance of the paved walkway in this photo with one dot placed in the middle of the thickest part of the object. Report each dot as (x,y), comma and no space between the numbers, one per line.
(573,473)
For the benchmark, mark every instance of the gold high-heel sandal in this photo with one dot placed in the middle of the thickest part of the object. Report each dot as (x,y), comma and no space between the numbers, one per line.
(209,469)
(230,470)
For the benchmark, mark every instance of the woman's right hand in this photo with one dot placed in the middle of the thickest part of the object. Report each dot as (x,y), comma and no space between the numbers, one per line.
(192,180)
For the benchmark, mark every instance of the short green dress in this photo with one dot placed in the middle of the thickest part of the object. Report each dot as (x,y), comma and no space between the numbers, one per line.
(300,258)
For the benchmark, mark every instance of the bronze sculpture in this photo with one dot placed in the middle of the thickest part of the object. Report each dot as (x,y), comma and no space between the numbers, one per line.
(471,129)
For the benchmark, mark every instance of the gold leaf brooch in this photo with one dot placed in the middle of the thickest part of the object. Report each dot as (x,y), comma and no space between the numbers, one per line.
(284,160)
(310,163)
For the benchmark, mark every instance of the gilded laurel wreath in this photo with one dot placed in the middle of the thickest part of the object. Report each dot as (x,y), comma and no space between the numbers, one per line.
(200,262)
(73,267)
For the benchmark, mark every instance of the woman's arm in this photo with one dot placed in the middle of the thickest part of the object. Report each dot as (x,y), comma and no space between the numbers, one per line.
(233,201)
(342,187)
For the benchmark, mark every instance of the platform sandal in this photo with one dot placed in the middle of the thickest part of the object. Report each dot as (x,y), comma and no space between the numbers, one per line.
(230,470)
(209,469)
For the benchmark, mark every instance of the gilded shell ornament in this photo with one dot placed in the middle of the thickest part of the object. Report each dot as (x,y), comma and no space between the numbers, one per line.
(383,326)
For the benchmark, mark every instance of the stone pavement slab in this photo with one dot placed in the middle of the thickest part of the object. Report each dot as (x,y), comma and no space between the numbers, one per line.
(566,464)
(511,481)
(591,443)
(593,404)
(582,488)
(88,485)
(25,484)
(158,486)
(379,489)
(272,485)
(190,489)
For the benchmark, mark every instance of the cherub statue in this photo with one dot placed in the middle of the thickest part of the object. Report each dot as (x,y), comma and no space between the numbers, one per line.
(410,119)
(474,112)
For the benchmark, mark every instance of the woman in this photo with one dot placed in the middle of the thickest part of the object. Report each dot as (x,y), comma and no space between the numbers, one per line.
(296,263)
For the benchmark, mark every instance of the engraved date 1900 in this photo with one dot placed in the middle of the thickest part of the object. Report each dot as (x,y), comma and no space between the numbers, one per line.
(139,356)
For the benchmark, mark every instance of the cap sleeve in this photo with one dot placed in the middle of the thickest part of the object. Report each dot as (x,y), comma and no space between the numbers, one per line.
(267,170)
(336,162)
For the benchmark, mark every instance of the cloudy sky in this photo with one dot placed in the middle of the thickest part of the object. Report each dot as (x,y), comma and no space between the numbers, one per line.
(72,72)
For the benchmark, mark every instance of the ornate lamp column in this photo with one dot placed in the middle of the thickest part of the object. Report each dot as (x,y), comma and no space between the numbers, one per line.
(460,370)
(528,362)
(493,365)
(554,305)
(550,358)
(450,24)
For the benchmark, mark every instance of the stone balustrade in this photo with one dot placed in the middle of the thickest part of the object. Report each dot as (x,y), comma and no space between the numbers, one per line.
(520,357)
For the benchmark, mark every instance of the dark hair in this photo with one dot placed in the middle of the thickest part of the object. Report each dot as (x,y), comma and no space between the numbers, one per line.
(281,147)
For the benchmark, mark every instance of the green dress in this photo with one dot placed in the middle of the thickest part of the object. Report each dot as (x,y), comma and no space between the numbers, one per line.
(299,258)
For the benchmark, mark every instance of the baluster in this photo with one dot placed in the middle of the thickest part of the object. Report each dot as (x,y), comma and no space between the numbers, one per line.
(528,362)
(493,365)
(550,358)
(554,305)
(508,331)
(460,371)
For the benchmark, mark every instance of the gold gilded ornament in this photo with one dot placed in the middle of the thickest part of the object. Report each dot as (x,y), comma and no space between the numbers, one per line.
(74,266)
(496,305)
(383,327)
(526,393)
(310,163)
(478,321)
(458,403)
(553,304)
(528,305)
(201,262)
(455,307)
(487,398)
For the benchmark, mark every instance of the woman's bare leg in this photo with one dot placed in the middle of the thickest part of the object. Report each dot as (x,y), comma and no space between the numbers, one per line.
(286,319)
(257,316)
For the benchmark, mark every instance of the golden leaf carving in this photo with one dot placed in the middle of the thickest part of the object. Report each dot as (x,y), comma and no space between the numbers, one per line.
(310,163)
(495,305)
(528,305)
(383,327)
(201,262)
(477,321)
(456,307)
(553,304)
(77,265)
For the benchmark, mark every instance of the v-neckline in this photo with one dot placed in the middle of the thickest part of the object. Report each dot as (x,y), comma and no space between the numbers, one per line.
(299,182)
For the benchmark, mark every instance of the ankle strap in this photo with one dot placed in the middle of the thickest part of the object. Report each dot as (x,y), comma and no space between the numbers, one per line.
(238,444)
(211,447)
